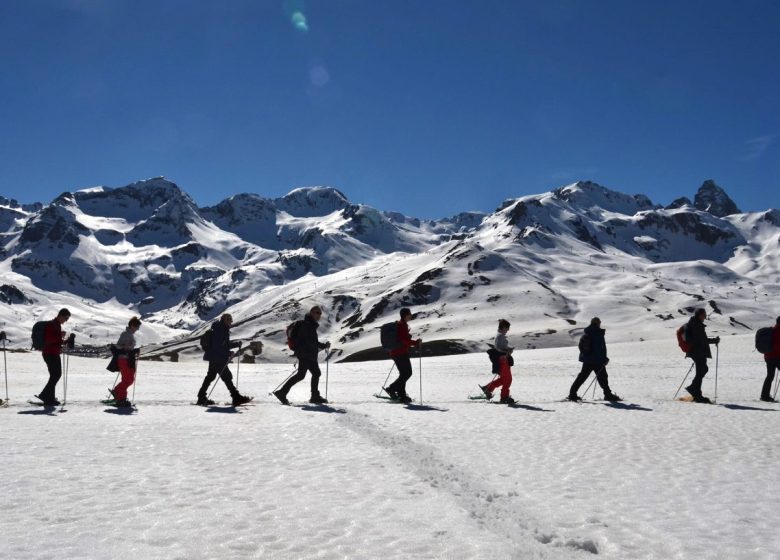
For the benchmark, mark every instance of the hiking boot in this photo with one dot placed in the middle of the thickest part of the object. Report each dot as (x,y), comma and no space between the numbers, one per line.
(124,403)
(488,393)
(612,397)
(693,392)
(204,401)
(282,397)
(573,398)
(507,400)
(406,399)
(318,399)
(702,399)
(767,398)
(391,393)
(238,400)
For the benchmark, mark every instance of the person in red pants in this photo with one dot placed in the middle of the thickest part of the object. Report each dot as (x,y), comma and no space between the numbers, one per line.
(502,354)
(126,357)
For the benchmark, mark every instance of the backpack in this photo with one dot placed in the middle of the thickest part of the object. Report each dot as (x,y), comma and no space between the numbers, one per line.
(205,341)
(764,339)
(292,334)
(682,339)
(584,344)
(388,336)
(39,335)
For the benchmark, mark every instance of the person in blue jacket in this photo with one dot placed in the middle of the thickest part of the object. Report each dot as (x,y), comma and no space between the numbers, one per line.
(219,356)
(593,355)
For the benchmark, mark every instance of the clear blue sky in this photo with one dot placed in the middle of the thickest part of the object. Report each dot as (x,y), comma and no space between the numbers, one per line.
(428,107)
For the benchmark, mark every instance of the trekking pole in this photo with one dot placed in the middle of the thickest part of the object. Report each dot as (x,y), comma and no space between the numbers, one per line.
(216,381)
(295,366)
(419,355)
(238,363)
(683,381)
(717,352)
(135,376)
(776,386)
(592,381)
(5,366)
(66,360)
(386,378)
(327,362)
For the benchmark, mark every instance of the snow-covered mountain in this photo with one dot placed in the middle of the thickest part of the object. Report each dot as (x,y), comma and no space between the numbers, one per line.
(546,262)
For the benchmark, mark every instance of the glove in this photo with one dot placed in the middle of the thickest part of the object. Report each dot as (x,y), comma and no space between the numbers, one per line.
(605,363)
(419,341)
(327,344)
(717,340)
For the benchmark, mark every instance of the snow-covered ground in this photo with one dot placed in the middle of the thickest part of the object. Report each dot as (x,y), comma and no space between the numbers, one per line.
(453,478)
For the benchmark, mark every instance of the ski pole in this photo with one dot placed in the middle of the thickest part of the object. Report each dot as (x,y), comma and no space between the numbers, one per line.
(717,353)
(386,378)
(327,363)
(5,366)
(135,376)
(419,355)
(295,366)
(683,381)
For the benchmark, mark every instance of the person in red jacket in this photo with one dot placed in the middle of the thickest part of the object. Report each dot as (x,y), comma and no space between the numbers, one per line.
(400,355)
(54,339)
(772,360)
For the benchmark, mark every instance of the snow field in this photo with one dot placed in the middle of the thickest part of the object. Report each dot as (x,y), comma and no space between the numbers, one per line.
(451,478)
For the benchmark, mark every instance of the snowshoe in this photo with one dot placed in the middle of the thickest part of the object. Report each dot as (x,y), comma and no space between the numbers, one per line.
(282,397)
(574,398)
(124,403)
(204,401)
(406,399)
(318,399)
(238,400)
(701,399)
(768,399)
(391,393)
(53,402)
(508,400)
(488,393)
(612,397)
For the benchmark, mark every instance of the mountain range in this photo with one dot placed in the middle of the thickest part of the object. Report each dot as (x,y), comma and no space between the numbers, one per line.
(546,262)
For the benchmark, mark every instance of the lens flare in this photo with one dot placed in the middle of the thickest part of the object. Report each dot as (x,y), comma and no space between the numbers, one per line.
(299,22)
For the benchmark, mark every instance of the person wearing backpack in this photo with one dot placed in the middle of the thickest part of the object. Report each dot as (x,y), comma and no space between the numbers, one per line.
(126,354)
(502,353)
(772,359)
(218,355)
(699,352)
(53,341)
(306,346)
(593,355)
(400,355)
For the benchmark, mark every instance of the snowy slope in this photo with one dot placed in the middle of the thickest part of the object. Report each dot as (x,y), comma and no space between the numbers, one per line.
(546,262)
(649,478)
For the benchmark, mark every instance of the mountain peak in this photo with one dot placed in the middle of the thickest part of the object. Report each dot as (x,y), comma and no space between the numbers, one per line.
(309,202)
(713,199)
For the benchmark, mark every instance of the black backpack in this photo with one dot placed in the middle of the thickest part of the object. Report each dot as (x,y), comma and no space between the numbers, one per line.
(39,335)
(205,341)
(388,336)
(584,344)
(764,339)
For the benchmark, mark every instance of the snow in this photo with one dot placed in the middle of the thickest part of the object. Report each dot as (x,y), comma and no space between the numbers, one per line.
(454,478)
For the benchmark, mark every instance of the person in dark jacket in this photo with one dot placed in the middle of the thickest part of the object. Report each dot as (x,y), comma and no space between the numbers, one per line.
(306,348)
(593,356)
(219,356)
(54,340)
(699,342)
(772,360)
(400,354)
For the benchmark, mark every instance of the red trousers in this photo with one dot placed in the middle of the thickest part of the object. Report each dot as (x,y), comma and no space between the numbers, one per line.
(504,379)
(128,376)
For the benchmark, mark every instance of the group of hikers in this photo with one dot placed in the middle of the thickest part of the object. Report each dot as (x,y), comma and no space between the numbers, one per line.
(49,338)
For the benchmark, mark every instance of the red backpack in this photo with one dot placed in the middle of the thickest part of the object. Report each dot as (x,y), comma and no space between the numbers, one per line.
(292,333)
(682,342)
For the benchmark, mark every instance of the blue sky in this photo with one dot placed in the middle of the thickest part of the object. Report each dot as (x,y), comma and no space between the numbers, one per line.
(428,107)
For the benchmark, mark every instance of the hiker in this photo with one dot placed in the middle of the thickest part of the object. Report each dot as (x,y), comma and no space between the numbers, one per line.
(400,355)
(593,355)
(306,346)
(53,341)
(501,357)
(218,355)
(772,359)
(699,351)
(126,354)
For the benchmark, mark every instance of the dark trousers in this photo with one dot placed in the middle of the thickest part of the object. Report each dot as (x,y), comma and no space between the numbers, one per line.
(304,365)
(404,366)
(701,370)
(770,377)
(601,377)
(221,369)
(54,364)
